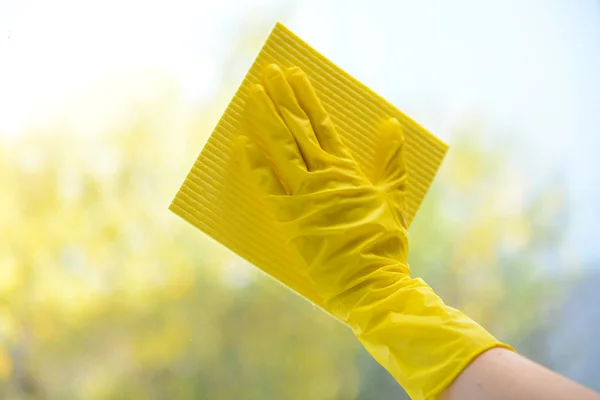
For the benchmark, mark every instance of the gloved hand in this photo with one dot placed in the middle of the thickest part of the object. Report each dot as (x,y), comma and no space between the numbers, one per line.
(351,231)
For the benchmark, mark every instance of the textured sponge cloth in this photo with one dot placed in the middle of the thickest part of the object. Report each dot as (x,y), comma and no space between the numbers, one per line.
(220,202)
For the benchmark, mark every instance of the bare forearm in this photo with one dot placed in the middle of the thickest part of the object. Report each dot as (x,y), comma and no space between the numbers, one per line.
(500,374)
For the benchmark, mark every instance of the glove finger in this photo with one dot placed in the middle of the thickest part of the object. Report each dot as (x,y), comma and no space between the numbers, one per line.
(390,170)
(254,164)
(282,95)
(320,120)
(390,165)
(264,125)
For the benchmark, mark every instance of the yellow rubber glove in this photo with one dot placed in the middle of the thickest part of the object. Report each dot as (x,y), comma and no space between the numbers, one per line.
(351,231)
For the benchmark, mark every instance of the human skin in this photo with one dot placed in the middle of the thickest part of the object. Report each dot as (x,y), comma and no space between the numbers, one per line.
(500,374)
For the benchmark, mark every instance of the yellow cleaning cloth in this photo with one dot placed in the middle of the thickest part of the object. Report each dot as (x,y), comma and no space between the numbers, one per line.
(215,198)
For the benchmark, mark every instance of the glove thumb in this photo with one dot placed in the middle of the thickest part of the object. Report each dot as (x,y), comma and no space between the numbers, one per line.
(256,167)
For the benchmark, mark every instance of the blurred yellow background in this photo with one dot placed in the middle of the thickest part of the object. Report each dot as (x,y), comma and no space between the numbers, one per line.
(104,106)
